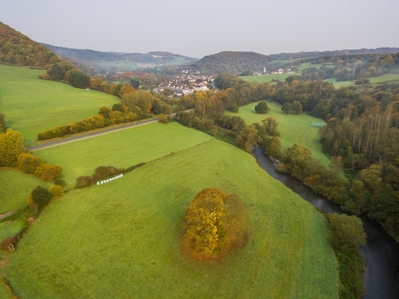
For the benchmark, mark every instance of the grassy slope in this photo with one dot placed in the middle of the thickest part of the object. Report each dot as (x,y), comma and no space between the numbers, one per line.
(32,105)
(121,149)
(293,128)
(121,240)
(15,188)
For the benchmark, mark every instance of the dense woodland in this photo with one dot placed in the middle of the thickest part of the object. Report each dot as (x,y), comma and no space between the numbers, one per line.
(18,49)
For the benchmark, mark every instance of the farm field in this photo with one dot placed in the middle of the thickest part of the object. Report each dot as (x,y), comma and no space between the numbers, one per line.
(121,240)
(32,105)
(294,129)
(121,149)
(16,186)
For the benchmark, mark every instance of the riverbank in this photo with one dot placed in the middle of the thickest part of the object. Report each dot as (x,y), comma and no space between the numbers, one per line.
(381,252)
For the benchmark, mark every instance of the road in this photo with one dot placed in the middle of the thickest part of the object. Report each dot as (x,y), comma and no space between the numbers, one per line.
(89,135)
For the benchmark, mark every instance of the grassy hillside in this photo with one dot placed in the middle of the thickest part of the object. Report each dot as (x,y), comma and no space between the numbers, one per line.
(121,149)
(294,129)
(32,105)
(15,188)
(120,240)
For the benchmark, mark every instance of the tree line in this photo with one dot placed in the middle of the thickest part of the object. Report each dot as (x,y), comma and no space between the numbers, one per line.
(133,106)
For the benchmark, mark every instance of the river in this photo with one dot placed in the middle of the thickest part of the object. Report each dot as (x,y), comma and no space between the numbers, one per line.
(381,253)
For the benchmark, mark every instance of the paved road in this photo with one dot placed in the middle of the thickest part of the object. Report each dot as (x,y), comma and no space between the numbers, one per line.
(89,135)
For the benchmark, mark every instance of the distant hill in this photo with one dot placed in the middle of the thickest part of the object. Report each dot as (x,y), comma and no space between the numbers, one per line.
(121,61)
(314,54)
(18,49)
(232,62)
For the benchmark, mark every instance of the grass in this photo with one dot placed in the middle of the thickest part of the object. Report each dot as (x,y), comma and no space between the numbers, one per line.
(32,105)
(121,149)
(338,84)
(266,78)
(293,128)
(125,65)
(121,240)
(384,78)
(15,188)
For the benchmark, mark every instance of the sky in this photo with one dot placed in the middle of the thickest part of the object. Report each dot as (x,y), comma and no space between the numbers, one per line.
(200,28)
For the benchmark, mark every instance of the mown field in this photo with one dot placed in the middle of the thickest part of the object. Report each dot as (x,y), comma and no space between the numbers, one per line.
(121,239)
(15,188)
(293,128)
(121,149)
(32,105)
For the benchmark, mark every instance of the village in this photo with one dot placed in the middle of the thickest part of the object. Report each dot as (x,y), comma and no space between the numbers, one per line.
(186,83)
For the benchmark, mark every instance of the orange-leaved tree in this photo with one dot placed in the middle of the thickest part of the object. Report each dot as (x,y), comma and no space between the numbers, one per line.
(211,224)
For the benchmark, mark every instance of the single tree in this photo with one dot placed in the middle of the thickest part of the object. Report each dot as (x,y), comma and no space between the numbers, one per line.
(261,108)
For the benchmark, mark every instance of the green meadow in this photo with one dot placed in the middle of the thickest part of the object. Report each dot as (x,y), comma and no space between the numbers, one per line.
(266,78)
(32,105)
(384,78)
(15,188)
(121,239)
(121,149)
(293,128)
(338,84)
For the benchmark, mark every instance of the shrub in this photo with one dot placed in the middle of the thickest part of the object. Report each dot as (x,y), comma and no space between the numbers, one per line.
(84,181)
(47,172)
(104,172)
(41,196)
(56,191)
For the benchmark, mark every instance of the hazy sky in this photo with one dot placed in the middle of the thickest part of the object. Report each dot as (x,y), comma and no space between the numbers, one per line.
(199,28)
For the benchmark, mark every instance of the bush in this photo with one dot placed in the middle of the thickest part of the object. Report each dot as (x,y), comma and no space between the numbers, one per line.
(41,196)
(105,172)
(84,181)
(56,191)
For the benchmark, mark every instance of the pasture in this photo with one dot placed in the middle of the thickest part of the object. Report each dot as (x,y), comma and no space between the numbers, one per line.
(121,149)
(338,84)
(32,105)
(121,240)
(15,188)
(293,128)
(266,78)
(384,78)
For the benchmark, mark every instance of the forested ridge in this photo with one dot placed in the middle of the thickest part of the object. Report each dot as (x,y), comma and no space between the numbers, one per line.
(232,62)
(92,55)
(18,49)
(313,54)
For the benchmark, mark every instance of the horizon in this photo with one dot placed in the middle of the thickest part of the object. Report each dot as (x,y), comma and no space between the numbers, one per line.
(200,29)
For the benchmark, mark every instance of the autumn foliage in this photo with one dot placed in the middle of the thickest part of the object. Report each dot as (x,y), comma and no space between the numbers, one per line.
(215,224)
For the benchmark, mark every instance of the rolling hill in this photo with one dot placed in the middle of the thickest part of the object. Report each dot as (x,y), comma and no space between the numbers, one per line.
(120,61)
